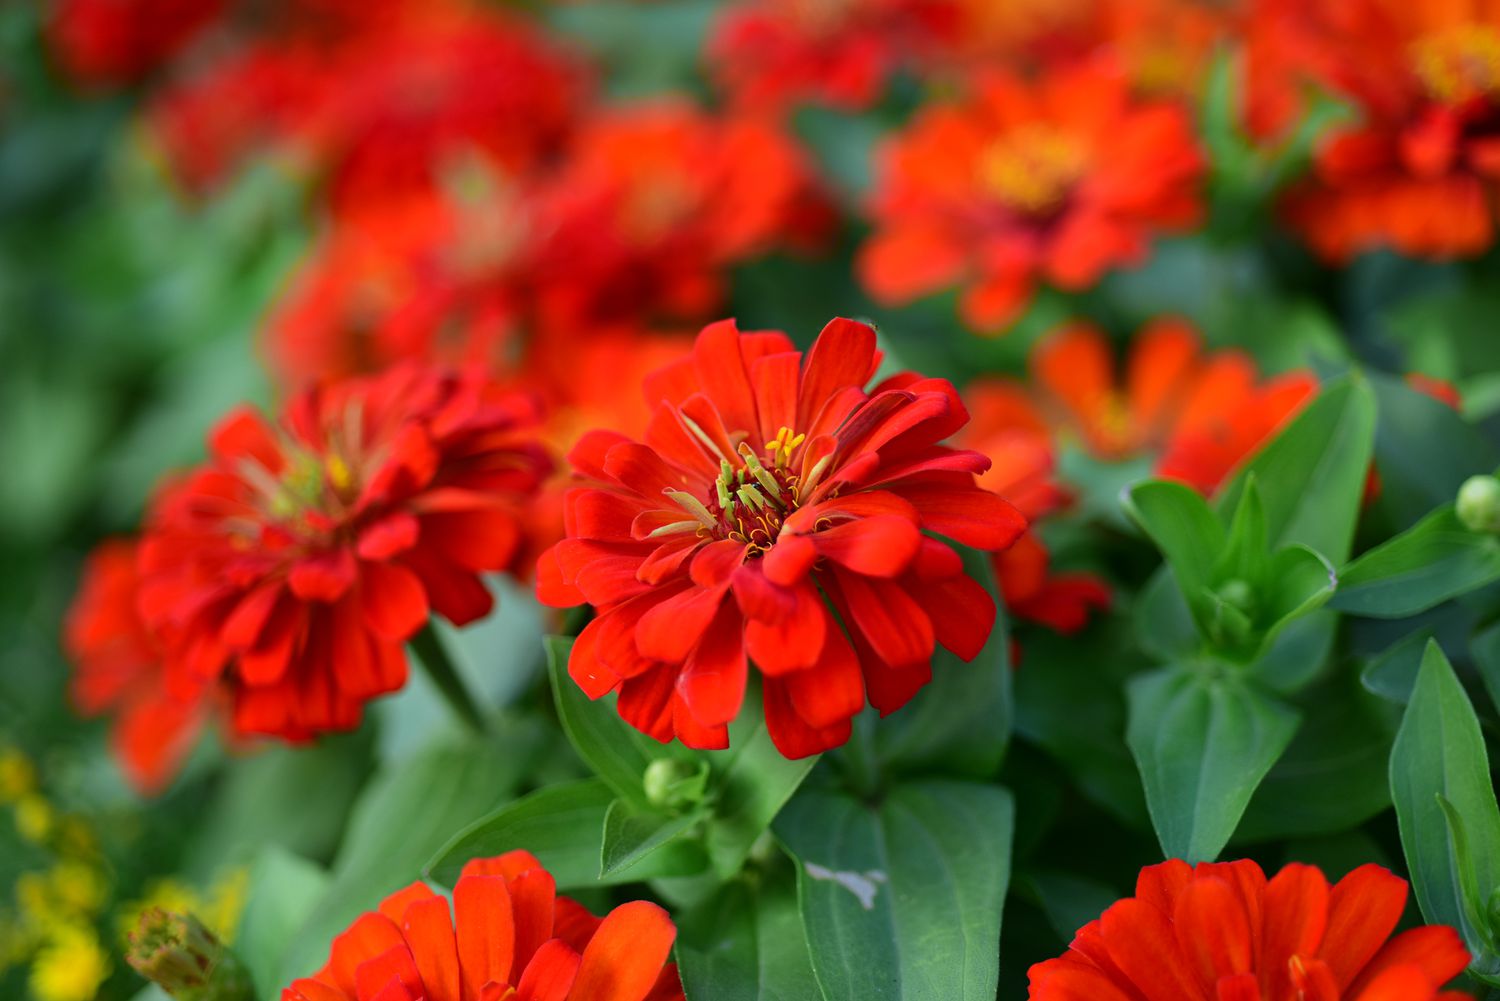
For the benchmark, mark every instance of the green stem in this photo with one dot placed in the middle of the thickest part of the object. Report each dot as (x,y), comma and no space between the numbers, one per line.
(430,650)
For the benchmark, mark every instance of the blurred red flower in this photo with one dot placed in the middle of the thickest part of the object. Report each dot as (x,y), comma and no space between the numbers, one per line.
(1201,413)
(1223,931)
(295,563)
(767,480)
(1417,169)
(767,54)
(107,44)
(1056,180)
(507,937)
(119,668)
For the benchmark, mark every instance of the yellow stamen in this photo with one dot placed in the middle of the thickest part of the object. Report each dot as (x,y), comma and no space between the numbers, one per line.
(1460,63)
(782,446)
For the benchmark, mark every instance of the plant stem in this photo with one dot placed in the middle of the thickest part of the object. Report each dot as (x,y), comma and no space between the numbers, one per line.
(430,650)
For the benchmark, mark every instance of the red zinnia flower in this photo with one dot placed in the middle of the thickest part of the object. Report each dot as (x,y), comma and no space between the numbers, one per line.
(507,937)
(119,667)
(769,479)
(1201,413)
(1418,170)
(1223,932)
(769,53)
(1058,180)
(296,562)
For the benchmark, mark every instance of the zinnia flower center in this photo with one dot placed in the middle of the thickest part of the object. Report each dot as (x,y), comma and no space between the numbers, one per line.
(751,501)
(1459,64)
(1032,168)
(314,495)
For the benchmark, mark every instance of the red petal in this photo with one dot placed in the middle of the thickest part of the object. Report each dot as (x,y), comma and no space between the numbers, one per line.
(775,380)
(973,517)
(789,560)
(961,610)
(1142,945)
(793,639)
(244,434)
(1294,920)
(325,577)
(549,976)
(370,935)
(712,682)
(374,975)
(1213,931)
(429,934)
(392,600)
(669,631)
(1363,909)
(391,535)
(645,702)
(1435,950)
(831,691)
(721,372)
(842,356)
(894,625)
(533,899)
(626,954)
(486,931)
(791,734)
(881,546)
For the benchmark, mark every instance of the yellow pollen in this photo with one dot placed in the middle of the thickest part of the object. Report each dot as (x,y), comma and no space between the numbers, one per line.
(1032,168)
(1460,63)
(339,473)
(781,447)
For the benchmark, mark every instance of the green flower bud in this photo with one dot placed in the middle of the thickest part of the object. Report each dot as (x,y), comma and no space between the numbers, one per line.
(1478,504)
(672,783)
(186,960)
(1238,594)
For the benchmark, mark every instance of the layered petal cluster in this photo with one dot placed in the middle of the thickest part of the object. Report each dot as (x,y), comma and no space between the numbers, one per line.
(107,44)
(776,513)
(1200,413)
(1417,169)
(768,54)
(1056,180)
(292,566)
(506,936)
(119,668)
(1224,932)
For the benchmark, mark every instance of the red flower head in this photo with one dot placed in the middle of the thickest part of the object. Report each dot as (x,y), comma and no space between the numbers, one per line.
(119,667)
(770,53)
(1223,932)
(1202,414)
(1058,180)
(507,937)
(297,561)
(656,200)
(767,480)
(1418,170)
(113,43)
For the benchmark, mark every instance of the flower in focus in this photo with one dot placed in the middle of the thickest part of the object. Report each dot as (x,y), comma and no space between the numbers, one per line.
(769,53)
(119,668)
(107,44)
(1201,414)
(769,479)
(291,567)
(1056,181)
(507,936)
(1223,931)
(1417,169)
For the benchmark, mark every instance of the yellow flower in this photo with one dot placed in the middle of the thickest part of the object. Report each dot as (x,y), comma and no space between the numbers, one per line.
(70,967)
(225,902)
(78,887)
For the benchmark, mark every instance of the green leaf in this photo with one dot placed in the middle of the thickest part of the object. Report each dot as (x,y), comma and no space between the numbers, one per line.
(1245,551)
(616,751)
(284,888)
(1440,751)
(903,900)
(1393,674)
(1185,529)
(1070,901)
(1485,647)
(563,826)
(752,781)
(1434,560)
(1312,475)
(631,835)
(408,810)
(1424,449)
(747,944)
(1203,743)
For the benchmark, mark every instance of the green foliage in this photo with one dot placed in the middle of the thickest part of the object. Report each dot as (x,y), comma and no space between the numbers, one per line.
(903,900)
(1445,803)
(747,943)
(1436,559)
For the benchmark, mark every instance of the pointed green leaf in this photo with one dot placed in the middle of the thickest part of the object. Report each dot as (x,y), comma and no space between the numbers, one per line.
(747,944)
(1202,743)
(903,900)
(631,835)
(1434,560)
(1184,528)
(752,780)
(1312,475)
(1440,751)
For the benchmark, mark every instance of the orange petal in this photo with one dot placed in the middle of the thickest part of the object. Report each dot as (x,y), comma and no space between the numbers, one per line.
(626,955)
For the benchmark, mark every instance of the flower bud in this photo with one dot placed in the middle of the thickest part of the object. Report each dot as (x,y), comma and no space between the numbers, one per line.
(186,960)
(672,783)
(1478,504)
(1238,594)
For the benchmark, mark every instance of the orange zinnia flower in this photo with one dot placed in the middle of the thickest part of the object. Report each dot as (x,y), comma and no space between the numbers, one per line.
(506,937)
(1057,181)
(1418,169)
(1202,414)
(118,667)
(1223,932)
